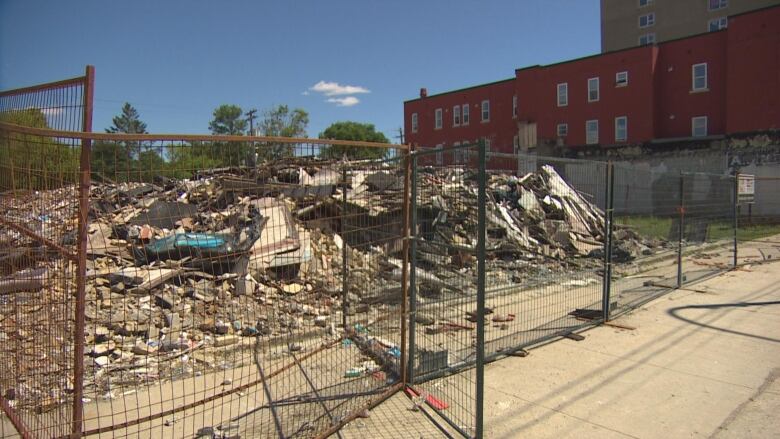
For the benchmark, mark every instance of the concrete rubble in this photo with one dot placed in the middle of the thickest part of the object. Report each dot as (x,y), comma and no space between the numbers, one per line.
(179,272)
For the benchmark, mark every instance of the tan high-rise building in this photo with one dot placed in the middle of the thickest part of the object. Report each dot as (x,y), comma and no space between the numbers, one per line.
(629,23)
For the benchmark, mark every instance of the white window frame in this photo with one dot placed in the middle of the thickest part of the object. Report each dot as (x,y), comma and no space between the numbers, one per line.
(456,116)
(699,119)
(647,3)
(515,143)
(487,144)
(562,130)
(465,115)
(598,94)
(722,4)
(438,119)
(705,78)
(649,39)
(720,23)
(514,106)
(564,95)
(624,137)
(589,140)
(624,81)
(440,154)
(649,20)
(485,107)
(415,123)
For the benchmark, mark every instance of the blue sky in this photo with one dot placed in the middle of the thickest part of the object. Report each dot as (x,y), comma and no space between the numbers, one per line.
(177,60)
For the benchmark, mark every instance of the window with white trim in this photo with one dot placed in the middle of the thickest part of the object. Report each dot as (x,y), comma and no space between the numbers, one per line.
(621,129)
(487,144)
(516,143)
(438,122)
(415,123)
(713,5)
(699,126)
(563,94)
(440,154)
(593,89)
(647,20)
(592,132)
(717,24)
(699,77)
(456,116)
(562,130)
(485,110)
(621,79)
(514,106)
(643,3)
(465,114)
(647,39)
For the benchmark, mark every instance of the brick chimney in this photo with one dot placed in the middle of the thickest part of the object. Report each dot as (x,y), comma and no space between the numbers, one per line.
(423,92)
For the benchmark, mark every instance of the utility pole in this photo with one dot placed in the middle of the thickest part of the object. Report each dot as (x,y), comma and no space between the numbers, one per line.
(400,135)
(250,115)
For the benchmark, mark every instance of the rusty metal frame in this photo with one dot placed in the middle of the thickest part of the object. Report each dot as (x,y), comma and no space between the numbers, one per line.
(79,256)
(190,137)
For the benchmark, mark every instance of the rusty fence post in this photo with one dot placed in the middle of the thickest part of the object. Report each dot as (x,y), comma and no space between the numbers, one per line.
(81,268)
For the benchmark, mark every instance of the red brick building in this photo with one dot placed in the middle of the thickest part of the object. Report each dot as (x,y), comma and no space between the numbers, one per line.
(700,87)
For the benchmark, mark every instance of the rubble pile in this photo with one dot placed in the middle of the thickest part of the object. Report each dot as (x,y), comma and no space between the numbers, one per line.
(179,271)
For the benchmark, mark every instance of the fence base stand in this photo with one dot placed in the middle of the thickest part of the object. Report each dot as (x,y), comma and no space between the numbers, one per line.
(573,336)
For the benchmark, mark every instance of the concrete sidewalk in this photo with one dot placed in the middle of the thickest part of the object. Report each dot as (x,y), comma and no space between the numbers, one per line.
(702,362)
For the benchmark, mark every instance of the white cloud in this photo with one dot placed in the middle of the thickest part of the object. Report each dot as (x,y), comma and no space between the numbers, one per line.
(347,101)
(305,93)
(336,89)
(52,112)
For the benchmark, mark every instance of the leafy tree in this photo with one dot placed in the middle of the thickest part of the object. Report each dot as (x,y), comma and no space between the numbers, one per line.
(35,162)
(363,132)
(128,122)
(280,121)
(228,121)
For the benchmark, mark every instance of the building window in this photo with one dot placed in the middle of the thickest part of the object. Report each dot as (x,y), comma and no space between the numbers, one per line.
(593,89)
(717,24)
(487,144)
(563,94)
(621,79)
(456,116)
(621,129)
(592,132)
(485,111)
(699,77)
(516,143)
(643,3)
(514,106)
(563,129)
(440,154)
(647,39)
(465,114)
(647,20)
(717,4)
(438,119)
(699,126)
(414,122)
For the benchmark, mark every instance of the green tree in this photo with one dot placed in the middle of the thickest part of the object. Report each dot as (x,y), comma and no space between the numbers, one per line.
(35,162)
(128,122)
(228,121)
(121,160)
(363,132)
(280,121)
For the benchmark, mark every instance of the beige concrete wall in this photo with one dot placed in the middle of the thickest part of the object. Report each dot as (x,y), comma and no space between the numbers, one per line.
(673,19)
